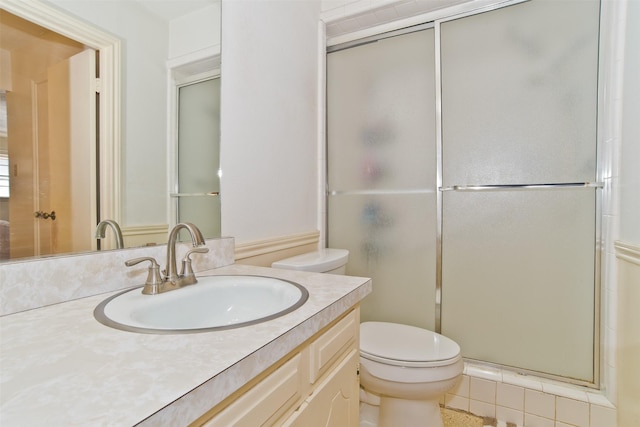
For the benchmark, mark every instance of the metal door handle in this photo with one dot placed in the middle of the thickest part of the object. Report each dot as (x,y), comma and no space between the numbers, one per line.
(522,186)
(45,215)
(210,193)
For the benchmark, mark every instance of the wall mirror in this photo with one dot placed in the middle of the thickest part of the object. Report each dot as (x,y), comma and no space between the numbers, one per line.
(121,162)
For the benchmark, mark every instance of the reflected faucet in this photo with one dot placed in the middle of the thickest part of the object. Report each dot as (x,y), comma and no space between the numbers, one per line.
(171,273)
(100,231)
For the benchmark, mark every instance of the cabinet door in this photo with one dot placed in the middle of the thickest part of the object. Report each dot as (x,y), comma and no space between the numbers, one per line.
(268,401)
(335,402)
(327,350)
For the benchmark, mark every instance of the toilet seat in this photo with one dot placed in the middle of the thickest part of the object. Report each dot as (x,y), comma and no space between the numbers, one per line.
(407,346)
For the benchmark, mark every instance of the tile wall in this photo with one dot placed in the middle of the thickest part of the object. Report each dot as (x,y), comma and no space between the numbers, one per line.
(528,401)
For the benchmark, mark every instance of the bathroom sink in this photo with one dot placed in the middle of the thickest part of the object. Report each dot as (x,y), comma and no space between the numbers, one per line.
(214,303)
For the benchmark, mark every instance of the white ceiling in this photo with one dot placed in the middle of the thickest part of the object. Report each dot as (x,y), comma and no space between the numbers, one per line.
(170,9)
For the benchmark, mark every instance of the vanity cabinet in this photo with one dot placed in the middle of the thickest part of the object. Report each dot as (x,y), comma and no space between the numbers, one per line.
(315,385)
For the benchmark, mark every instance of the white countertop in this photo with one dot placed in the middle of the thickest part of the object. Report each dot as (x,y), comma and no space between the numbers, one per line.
(61,367)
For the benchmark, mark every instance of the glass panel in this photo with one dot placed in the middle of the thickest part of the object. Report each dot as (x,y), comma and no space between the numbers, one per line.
(391,239)
(199,155)
(199,130)
(518,278)
(382,156)
(204,211)
(381,115)
(519,93)
(4,158)
(4,181)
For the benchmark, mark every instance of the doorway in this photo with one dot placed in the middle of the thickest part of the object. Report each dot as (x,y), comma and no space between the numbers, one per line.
(50,115)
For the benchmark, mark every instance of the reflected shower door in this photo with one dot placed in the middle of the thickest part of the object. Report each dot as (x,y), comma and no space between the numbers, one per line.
(199,156)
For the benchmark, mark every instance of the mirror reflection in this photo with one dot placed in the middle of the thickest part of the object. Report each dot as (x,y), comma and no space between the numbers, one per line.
(197,199)
(47,115)
(124,169)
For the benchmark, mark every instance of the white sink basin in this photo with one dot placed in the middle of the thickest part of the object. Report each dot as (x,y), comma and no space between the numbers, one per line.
(214,303)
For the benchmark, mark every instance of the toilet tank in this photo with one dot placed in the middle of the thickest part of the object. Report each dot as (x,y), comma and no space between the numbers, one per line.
(332,261)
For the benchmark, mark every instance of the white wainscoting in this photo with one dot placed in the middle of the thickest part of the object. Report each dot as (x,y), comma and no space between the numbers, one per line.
(263,253)
(628,337)
(145,235)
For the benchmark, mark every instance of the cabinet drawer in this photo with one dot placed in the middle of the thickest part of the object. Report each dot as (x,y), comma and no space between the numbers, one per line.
(274,397)
(333,344)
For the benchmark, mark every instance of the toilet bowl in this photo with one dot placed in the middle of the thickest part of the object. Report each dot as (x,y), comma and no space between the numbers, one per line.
(403,369)
(409,368)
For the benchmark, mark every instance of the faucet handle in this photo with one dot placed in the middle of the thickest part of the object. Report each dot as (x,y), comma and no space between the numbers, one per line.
(154,280)
(187,270)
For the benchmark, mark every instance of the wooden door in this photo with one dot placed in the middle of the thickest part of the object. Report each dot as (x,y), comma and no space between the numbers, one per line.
(27,96)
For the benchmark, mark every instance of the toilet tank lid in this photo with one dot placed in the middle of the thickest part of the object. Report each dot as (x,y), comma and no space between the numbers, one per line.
(317,261)
(405,343)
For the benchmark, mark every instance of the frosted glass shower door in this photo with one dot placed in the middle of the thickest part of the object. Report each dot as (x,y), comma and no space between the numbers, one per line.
(199,156)
(519,102)
(381,172)
(518,278)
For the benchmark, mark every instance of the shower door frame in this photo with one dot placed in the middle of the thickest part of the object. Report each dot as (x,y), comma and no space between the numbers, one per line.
(599,195)
(598,212)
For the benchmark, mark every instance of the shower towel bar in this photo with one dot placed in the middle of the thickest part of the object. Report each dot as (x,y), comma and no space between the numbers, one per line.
(378,192)
(522,186)
(211,193)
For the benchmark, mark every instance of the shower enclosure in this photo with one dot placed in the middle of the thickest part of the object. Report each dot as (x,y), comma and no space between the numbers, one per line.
(462,177)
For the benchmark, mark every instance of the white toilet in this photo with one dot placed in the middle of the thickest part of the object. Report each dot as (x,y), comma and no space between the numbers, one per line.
(403,369)
(409,368)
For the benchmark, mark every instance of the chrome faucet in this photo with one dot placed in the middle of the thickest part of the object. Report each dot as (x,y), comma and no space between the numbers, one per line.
(170,279)
(100,231)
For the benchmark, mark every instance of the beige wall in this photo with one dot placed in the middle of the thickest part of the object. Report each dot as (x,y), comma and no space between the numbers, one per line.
(145,38)
(628,360)
(628,246)
(269,119)
(5,69)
